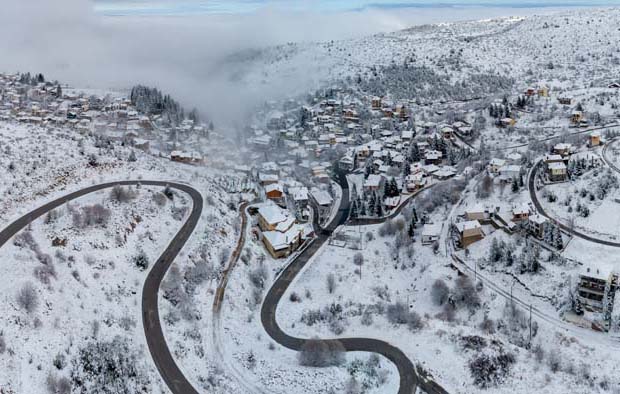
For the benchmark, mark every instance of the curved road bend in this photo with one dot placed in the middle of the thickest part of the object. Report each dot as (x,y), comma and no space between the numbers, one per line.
(409,377)
(168,369)
(532,188)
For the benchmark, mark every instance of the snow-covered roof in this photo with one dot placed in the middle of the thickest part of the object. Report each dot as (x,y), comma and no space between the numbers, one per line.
(510,169)
(557,166)
(274,187)
(431,230)
(431,168)
(281,240)
(549,157)
(538,219)
(321,196)
(522,209)
(272,214)
(468,225)
(299,193)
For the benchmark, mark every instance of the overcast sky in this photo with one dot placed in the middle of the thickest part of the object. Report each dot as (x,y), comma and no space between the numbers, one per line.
(178,54)
(168,7)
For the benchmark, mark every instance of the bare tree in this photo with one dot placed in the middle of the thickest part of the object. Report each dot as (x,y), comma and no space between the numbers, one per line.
(331,283)
(440,292)
(358,259)
(27,298)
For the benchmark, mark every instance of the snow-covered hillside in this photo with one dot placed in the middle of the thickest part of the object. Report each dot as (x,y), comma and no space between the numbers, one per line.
(573,47)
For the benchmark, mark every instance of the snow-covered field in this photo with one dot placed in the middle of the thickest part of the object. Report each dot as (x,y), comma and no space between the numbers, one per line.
(71,282)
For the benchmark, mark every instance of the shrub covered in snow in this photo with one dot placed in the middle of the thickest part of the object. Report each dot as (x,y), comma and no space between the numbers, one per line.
(319,353)
(399,313)
(109,367)
(122,194)
(491,370)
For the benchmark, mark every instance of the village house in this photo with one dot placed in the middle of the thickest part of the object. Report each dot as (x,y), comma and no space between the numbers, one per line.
(536,225)
(594,139)
(549,158)
(433,157)
(422,147)
(431,233)
(299,195)
(495,165)
(477,212)
(185,157)
(415,182)
(376,102)
(281,235)
(447,132)
(543,91)
(265,179)
(469,232)
(507,122)
(322,200)
(557,172)
(521,212)
(591,290)
(576,117)
(346,163)
(275,193)
(509,172)
(444,173)
(563,149)
(565,100)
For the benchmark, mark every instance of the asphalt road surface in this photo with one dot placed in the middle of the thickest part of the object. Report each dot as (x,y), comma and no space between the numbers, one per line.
(410,378)
(158,348)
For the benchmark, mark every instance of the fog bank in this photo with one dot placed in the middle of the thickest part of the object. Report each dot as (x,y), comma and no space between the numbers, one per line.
(183,55)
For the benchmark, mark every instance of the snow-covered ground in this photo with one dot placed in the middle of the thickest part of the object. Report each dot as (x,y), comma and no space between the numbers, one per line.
(89,289)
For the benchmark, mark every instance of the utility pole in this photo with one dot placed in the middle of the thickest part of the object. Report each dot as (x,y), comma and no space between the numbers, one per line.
(476,272)
(530,323)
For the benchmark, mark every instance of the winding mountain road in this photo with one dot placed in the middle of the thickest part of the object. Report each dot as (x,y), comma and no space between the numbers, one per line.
(532,189)
(168,369)
(410,377)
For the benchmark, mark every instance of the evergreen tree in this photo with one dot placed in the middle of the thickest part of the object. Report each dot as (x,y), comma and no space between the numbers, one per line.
(414,216)
(372,204)
(395,192)
(362,207)
(415,153)
(515,185)
(379,209)
(406,169)
(354,212)
(558,242)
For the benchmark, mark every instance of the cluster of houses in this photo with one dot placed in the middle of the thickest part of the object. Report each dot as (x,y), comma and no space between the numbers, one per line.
(280,231)
(506,169)
(113,118)
(470,227)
